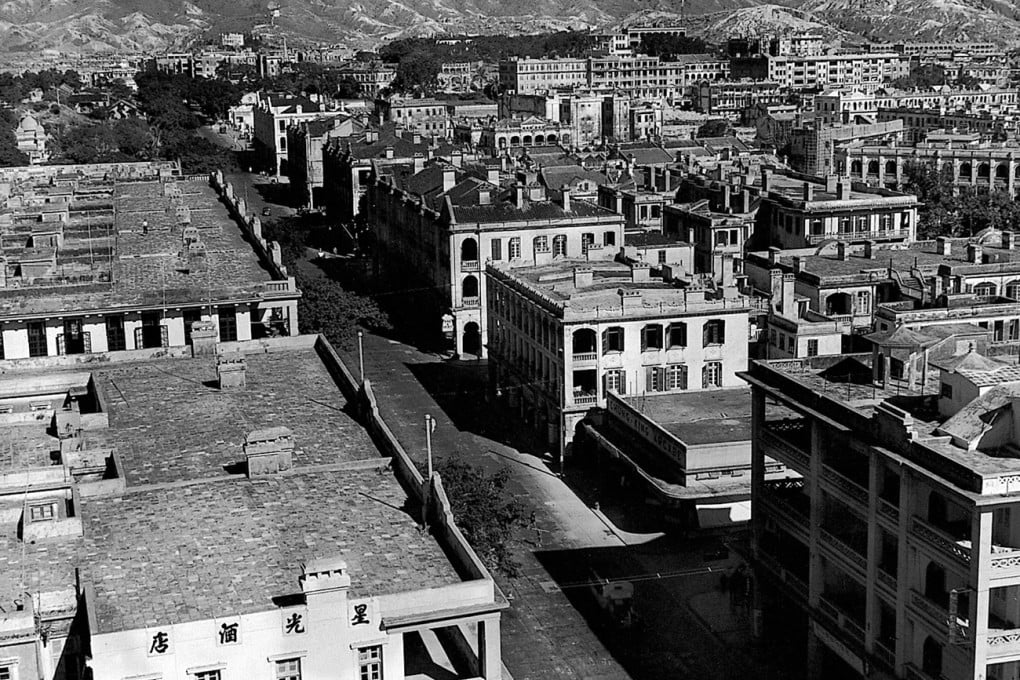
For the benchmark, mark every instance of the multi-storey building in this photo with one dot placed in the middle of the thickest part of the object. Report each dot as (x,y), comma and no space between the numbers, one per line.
(435,228)
(966,159)
(425,116)
(945,50)
(529,76)
(865,71)
(803,45)
(895,553)
(305,142)
(370,76)
(845,107)
(564,335)
(730,99)
(497,136)
(239,578)
(126,257)
(919,123)
(994,99)
(271,115)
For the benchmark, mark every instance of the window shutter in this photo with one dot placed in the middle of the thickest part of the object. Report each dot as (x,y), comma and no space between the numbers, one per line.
(721,325)
(644,338)
(623,382)
(649,379)
(706,333)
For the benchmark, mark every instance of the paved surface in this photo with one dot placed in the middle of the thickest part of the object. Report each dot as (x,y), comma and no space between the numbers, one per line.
(555,629)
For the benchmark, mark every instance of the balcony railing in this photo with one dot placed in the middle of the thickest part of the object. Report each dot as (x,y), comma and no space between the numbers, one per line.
(885,655)
(1005,563)
(796,583)
(854,629)
(585,356)
(941,541)
(845,549)
(888,510)
(787,450)
(849,488)
(582,399)
(469,265)
(470,301)
(887,579)
(1003,642)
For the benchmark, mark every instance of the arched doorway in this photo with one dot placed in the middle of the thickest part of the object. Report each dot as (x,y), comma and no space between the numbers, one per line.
(855,167)
(469,289)
(471,342)
(935,583)
(931,657)
(469,250)
(839,304)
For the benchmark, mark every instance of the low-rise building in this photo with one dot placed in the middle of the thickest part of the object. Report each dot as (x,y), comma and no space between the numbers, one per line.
(565,335)
(305,142)
(271,116)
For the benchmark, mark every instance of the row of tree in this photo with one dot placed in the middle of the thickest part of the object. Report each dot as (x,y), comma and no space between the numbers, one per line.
(960,212)
(15,88)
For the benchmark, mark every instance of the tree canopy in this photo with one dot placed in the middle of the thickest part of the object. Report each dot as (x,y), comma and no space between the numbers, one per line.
(667,47)
(960,213)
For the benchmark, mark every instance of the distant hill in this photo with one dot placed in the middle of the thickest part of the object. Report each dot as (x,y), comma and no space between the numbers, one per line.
(158,25)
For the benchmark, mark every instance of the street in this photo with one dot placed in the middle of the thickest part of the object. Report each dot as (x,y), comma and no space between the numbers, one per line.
(686,625)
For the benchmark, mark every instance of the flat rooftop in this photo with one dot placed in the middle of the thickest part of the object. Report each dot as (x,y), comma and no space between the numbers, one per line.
(109,260)
(170,421)
(709,417)
(185,553)
(191,536)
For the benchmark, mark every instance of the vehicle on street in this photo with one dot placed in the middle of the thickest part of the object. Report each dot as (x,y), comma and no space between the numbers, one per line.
(266,212)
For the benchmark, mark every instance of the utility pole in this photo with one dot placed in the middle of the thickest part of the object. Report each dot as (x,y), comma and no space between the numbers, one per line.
(430,425)
(361,356)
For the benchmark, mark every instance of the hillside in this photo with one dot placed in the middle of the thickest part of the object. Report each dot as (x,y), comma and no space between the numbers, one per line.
(157,25)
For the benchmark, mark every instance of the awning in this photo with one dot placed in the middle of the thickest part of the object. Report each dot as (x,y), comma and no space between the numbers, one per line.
(723,514)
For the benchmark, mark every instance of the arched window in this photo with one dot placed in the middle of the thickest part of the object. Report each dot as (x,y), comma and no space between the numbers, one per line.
(539,139)
(560,245)
(890,167)
(514,248)
(584,342)
(541,245)
(931,658)
(855,167)
(965,171)
(985,289)
(469,250)
(984,171)
(714,332)
(935,583)
(470,287)
(872,167)
(526,141)
(515,141)
(1013,289)
(1002,171)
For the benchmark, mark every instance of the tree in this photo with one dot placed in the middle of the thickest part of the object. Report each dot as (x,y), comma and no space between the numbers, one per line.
(668,46)
(718,127)
(925,76)
(485,511)
(948,211)
(10,155)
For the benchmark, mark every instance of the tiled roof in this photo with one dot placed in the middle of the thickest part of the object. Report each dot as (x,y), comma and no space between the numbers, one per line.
(187,553)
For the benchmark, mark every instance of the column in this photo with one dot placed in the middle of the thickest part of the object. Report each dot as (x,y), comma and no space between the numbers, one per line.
(490,665)
(980,566)
(757,486)
(872,610)
(815,655)
(905,569)
(815,576)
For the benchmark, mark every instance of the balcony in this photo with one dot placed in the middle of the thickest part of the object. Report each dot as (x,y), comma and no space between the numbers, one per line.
(935,614)
(841,619)
(469,265)
(1003,643)
(471,301)
(795,583)
(888,510)
(585,398)
(843,548)
(943,543)
(885,655)
(887,580)
(583,357)
(845,487)
(790,439)
(1005,563)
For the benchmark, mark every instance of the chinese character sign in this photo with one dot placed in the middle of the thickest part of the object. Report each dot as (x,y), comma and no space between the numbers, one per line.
(363,613)
(228,632)
(158,642)
(293,621)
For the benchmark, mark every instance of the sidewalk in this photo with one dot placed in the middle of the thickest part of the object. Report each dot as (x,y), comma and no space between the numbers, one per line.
(543,635)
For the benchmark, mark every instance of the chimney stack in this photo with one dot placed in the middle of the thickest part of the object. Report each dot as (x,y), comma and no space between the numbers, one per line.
(724,202)
(943,246)
(492,176)
(389,152)
(975,253)
(843,189)
(1008,242)
(269,450)
(583,277)
(842,252)
(789,303)
(640,272)
(745,201)
(449,179)
(809,192)
(230,370)
(519,196)
(774,253)
(869,249)
(798,264)
(766,177)
(830,184)
(565,193)
(419,163)
(457,158)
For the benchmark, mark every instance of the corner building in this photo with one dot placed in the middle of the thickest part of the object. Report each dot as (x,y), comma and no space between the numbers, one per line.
(897,552)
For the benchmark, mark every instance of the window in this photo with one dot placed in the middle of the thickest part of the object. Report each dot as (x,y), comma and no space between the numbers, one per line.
(586,240)
(782,341)
(541,244)
(228,324)
(37,339)
(515,248)
(655,379)
(559,245)
(812,348)
(6,672)
(609,238)
(42,513)
(208,675)
(288,669)
(947,390)
(678,335)
(712,376)
(370,663)
(662,257)
(895,369)
(612,340)
(496,246)
(863,302)
(616,381)
(651,337)
(817,227)
(715,332)
(676,377)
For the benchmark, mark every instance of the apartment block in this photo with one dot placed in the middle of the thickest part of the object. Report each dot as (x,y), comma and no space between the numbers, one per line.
(563,336)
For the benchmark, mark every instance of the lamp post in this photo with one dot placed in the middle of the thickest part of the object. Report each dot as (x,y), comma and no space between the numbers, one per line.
(361,356)
(430,424)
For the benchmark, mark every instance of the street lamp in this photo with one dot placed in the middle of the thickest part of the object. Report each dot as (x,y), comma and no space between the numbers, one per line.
(361,356)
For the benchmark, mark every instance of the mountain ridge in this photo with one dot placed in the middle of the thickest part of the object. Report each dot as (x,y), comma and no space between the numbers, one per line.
(152,26)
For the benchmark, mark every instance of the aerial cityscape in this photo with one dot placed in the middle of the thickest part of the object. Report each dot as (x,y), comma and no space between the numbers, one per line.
(568,341)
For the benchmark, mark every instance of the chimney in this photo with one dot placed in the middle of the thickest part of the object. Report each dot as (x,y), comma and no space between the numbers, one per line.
(230,370)
(519,196)
(640,272)
(419,163)
(724,203)
(203,338)
(416,138)
(809,192)
(830,184)
(1007,240)
(774,253)
(492,176)
(651,177)
(843,190)
(629,299)
(766,177)
(389,152)
(842,252)
(268,451)
(789,303)
(975,253)
(371,135)
(449,179)
(565,193)
(798,264)
(457,158)
(776,288)
(745,201)
(583,277)
(326,582)
(726,275)
(869,249)
(943,246)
